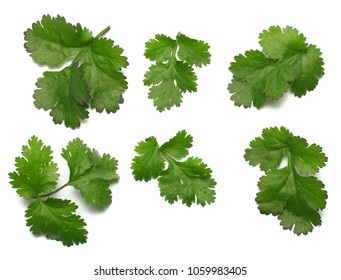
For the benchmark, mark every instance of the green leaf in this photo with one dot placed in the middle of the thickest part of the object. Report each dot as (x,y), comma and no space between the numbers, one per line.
(189,181)
(157,74)
(193,51)
(178,146)
(55,219)
(276,188)
(298,215)
(102,65)
(308,69)
(292,192)
(165,95)
(35,172)
(173,72)
(160,49)
(286,62)
(169,83)
(149,163)
(307,63)
(257,79)
(278,43)
(53,41)
(65,94)
(35,179)
(90,173)
(184,77)
(93,79)
(307,159)
(77,155)
(269,150)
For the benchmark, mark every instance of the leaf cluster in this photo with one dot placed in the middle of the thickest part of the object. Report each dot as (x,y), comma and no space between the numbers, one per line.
(291,192)
(286,63)
(93,79)
(187,180)
(36,178)
(173,73)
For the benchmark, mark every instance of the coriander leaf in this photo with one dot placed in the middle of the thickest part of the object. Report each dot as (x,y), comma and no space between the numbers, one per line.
(90,173)
(150,162)
(174,79)
(77,155)
(173,73)
(93,79)
(308,69)
(295,199)
(299,216)
(278,185)
(157,74)
(65,94)
(55,218)
(35,172)
(160,49)
(102,64)
(35,179)
(258,79)
(189,181)
(165,95)
(292,192)
(278,43)
(307,159)
(179,145)
(268,151)
(53,41)
(286,62)
(168,91)
(184,77)
(193,51)
(306,59)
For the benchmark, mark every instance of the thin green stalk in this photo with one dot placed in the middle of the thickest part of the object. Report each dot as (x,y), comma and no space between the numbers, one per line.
(53,192)
(103,32)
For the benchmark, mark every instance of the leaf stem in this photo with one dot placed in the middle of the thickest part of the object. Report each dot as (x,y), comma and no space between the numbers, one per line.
(53,192)
(169,158)
(290,164)
(103,32)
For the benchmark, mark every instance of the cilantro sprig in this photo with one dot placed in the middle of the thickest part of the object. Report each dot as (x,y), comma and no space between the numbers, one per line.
(291,192)
(93,79)
(187,180)
(173,73)
(36,179)
(286,63)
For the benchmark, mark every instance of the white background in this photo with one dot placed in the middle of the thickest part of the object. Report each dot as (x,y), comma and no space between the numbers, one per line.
(140,228)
